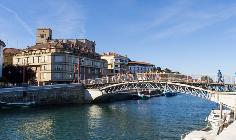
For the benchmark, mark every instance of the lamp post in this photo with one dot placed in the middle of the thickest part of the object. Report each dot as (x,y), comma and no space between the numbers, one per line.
(24,72)
(78,68)
(9,76)
(235,78)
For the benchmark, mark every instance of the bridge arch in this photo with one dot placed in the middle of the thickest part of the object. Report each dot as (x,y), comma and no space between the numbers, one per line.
(163,86)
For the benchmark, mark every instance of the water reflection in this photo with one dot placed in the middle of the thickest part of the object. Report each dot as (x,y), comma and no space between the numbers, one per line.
(94,119)
(158,118)
(36,129)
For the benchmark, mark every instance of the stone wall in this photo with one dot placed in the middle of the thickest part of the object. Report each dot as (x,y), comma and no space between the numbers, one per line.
(45,95)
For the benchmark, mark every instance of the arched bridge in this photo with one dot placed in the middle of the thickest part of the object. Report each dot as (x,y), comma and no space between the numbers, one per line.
(217,92)
(152,86)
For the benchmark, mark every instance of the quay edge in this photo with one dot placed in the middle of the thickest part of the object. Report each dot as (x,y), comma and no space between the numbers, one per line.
(45,95)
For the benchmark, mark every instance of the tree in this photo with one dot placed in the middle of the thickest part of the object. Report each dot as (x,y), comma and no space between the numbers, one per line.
(167,70)
(16,74)
(207,79)
(158,69)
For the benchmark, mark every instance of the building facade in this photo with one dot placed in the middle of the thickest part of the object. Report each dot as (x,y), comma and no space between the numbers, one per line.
(117,64)
(62,60)
(140,67)
(8,54)
(2,45)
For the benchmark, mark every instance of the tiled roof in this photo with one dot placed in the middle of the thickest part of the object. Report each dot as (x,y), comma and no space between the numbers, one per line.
(46,45)
(139,63)
(112,54)
(11,51)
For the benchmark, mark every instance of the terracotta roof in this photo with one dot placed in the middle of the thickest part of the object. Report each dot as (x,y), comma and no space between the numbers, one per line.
(11,51)
(139,63)
(46,45)
(112,54)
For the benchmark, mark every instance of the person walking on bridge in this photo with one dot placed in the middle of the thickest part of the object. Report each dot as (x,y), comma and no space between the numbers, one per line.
(220,77)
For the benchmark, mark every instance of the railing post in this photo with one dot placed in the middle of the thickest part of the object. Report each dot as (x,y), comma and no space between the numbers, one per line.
(221,111)
(235,109)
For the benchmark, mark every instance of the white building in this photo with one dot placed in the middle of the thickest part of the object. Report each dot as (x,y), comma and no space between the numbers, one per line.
(140,67)
(2,45)
(117,64)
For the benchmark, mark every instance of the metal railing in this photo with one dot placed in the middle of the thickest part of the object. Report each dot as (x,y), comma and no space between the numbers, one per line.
(160,77)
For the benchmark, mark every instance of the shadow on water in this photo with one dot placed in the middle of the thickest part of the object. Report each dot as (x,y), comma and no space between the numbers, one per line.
(157,118)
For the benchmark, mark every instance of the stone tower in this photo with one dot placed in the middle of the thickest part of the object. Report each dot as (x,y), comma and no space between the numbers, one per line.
(43,35)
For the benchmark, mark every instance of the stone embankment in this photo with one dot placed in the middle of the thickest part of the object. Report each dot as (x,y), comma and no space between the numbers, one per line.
(45,95)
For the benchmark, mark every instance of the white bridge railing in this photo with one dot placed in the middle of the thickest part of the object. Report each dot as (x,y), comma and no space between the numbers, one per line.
(160,77)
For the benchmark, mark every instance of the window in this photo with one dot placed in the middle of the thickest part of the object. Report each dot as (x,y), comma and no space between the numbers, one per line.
(57,76)
(58,67)
(38,59)
(59,58)
(42,35)
(44,75)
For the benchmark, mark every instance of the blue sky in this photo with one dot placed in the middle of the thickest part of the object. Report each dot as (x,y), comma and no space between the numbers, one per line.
(190,36)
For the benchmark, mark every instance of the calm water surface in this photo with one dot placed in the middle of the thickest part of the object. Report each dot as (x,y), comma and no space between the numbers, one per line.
(159,118)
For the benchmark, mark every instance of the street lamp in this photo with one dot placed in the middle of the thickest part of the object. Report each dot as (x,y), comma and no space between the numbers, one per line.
(24,72)
(9,76)
(235,78)
(77,68)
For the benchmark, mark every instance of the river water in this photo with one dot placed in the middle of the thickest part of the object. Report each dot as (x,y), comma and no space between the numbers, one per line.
(159,118)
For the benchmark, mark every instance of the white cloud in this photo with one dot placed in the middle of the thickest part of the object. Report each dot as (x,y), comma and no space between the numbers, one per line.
(194,20)
(181,18)
(20,20)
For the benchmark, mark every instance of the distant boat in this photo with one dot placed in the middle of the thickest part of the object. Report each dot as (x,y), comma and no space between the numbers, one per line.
(2,103)
(144,97)
(136,97)
(170,94)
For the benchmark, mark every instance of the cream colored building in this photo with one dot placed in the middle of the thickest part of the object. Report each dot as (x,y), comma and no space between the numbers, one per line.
(60,60)
(2,45)
(116,63)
